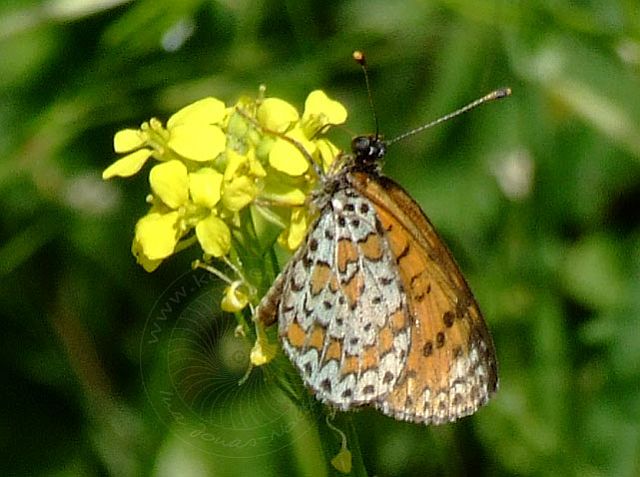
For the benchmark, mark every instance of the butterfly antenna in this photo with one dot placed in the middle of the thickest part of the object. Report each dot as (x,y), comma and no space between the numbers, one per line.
(362,61)
(497,94)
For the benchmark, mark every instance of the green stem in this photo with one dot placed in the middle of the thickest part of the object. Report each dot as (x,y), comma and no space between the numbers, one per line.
(330,440)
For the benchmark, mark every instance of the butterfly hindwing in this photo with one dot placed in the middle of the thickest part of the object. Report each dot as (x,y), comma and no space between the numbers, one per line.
(343,316)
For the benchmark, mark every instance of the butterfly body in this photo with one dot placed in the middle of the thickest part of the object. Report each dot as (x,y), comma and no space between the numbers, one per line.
(372,308)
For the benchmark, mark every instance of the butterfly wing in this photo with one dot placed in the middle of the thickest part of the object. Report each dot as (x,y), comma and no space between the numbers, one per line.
(451,368)
(343,315)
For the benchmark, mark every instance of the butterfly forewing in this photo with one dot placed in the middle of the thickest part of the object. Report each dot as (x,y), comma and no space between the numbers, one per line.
(451,367)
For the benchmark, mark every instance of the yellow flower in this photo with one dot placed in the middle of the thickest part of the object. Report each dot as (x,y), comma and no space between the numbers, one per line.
(235,298)
(125,141)
(217,162)
(133,142)
(263,351)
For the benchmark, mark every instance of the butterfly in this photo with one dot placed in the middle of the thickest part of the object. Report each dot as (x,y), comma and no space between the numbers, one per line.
(372,308)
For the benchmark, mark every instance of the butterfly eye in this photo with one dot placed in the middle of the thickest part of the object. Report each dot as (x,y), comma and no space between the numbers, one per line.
(360,145)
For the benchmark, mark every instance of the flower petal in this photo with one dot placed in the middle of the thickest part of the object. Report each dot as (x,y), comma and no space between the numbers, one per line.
(146,263)
(170,182)
(239,193)
(128,140)
(205,186)
(319,104)
(157,234)
(198,142)
(292,237)
(287,158)
(214,236)
(276,114)
(128,165)
(205,111)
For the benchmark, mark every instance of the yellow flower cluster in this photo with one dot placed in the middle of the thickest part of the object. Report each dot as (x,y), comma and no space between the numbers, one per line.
(215,161)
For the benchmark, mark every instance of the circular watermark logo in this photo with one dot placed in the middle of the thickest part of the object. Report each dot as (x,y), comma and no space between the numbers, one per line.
(194,370)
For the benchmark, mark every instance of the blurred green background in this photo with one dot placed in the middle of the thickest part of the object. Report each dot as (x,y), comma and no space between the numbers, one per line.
(108,370)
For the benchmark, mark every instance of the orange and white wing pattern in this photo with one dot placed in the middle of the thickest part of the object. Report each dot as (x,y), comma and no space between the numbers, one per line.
(344,320)
(451,368)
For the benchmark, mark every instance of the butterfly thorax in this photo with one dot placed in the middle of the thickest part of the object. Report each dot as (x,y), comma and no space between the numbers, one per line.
(365,156)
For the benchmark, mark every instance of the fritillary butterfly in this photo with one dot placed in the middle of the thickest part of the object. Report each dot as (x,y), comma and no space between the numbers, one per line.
(372,308)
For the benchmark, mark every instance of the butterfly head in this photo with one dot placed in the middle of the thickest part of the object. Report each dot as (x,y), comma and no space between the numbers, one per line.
(368,151)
